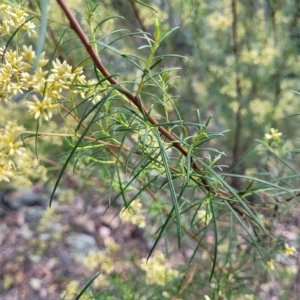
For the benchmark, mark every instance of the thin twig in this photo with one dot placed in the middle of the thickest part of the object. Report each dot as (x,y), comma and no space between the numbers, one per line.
(238,116)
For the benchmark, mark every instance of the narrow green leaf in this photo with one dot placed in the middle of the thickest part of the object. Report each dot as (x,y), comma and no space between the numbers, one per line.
(245,228)
(107,19)
(268,183)
(171,185)
(146,5)
(214,221)
(167,33)
(36,138)
(236,196)
(155,64)
(161,231)
(87,286)
(199,242)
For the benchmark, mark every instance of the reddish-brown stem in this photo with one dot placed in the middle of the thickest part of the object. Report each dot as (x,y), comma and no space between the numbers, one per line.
(135,100)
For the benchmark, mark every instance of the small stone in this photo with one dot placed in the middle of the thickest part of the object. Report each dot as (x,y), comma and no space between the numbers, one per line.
(35,283)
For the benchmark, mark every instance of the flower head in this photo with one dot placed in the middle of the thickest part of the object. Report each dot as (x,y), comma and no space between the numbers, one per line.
(270,264)
(5,172)
(8,140)
(204,215)
(133,214)
(274,135)
(289,250)
(41,108)
(14,18)
(157,272)
(71,291)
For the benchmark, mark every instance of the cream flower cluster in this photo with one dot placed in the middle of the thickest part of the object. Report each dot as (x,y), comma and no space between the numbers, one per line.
(157,272)
(15,160)
(14,18)
(259,57)
(204,216)
(102,259)
(133,214)
(16,70)
(15,78)
(95,260)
